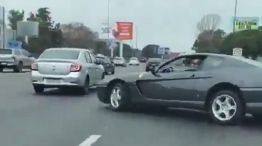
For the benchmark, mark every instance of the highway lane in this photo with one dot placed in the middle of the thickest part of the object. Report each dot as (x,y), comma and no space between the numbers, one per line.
(60,118)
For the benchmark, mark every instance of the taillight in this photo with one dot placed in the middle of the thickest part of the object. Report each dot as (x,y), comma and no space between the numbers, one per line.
(75,68)
(34,66)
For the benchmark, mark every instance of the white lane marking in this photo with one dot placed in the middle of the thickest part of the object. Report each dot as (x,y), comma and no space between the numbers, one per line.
(90,140)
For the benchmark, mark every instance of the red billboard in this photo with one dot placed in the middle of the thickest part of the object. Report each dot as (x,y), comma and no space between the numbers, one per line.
(124,30)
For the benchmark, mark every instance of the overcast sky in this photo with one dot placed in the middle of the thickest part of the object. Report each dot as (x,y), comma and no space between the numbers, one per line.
(170,23)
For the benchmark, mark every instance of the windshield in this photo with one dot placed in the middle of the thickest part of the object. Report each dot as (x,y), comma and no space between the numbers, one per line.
(60,54)
(5,51)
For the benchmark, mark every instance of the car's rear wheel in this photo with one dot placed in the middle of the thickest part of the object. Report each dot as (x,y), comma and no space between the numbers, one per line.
(39,89)
(19,67)
(84,90)
(119,98)
(226,108)
(1,69)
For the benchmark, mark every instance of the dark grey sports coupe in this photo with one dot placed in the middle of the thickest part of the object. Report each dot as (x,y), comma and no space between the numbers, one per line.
(225,86)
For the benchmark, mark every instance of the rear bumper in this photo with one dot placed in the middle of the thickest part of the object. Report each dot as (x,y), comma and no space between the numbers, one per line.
(6,64)
(72,79)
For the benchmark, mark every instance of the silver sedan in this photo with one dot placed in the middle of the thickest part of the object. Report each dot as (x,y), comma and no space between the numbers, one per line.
(66,67)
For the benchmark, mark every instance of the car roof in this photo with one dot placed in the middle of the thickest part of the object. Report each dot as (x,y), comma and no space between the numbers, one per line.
(208,54)
(73,49)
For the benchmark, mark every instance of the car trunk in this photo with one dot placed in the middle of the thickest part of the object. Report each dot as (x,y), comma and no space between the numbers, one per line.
(6,57)
(54,67)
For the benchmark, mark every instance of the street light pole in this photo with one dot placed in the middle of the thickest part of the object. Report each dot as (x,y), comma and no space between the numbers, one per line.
(109,29)
(235,15)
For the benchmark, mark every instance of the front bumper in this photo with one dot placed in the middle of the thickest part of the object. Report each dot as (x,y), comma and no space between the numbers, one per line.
(72,79)
(102,93)
(253,99)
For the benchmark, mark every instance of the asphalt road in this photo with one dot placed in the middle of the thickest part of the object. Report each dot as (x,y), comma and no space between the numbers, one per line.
(60,118)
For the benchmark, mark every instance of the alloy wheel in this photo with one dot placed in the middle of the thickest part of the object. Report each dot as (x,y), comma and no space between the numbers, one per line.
(224,107)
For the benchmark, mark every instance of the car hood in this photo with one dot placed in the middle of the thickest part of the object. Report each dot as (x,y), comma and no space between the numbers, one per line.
(131,77)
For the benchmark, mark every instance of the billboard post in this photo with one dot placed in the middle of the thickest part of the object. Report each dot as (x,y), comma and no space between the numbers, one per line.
(124,32)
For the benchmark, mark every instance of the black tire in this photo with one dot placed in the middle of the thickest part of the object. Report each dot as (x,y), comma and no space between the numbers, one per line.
(1,69)
(235,115)
(113,72)
(84,90)
(257,116)
(124,97)
(19,67)
(39,89)
(103,75)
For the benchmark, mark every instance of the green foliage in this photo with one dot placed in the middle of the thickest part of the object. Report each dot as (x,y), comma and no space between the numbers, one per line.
(49,36)
(250,41)
(209,41)
(14,16)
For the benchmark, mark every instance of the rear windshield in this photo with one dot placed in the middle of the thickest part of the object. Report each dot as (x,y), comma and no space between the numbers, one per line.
(154,60)
(60,54)
(117,58)
(5,51)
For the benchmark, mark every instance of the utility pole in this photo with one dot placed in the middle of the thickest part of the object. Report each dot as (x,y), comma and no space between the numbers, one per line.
(109,29)
(235,16)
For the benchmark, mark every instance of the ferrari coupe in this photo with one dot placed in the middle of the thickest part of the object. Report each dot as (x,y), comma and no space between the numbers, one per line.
(225,86)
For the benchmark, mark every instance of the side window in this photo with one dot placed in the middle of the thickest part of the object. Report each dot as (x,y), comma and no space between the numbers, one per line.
(17,52)
(188,63)
(180,64)
(107,60)
(87,56)
(25,53)
(212,63)
(93,58)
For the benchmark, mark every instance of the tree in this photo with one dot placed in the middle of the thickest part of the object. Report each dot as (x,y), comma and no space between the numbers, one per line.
(78,35)
(49,35)
(249,40)
(208,22)
(150,51)
(14,16)
(209,41)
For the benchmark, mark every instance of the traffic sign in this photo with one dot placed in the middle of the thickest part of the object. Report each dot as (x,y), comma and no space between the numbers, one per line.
(237,52)
(161,51)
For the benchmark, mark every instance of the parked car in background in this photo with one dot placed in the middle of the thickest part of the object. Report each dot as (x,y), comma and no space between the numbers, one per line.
(119,61)
(16,59)
(66,67)
(152,63)
(226,87)
(143,60)
(133,61)
(107,64)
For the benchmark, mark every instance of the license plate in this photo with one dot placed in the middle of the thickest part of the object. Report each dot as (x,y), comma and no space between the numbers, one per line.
(52,81)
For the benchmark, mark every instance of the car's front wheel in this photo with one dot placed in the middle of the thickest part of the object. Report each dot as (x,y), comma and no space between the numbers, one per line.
(119,97)
(1,69)
(226,108)
(39,89)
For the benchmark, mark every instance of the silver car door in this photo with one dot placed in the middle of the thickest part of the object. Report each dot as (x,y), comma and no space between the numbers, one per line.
(91,68)
(98,69)
(24,57)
